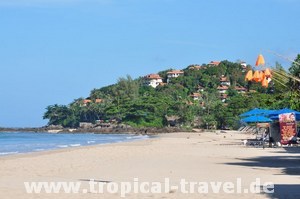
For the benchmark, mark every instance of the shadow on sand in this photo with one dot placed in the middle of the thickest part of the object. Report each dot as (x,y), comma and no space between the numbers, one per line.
(285,191)
(289,165)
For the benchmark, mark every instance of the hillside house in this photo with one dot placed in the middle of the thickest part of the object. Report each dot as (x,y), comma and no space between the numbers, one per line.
(244,66)
(224,81)
(240,89)
(196,67)
(195,96)
(174,74)
(222,89)
(200,88)
(214,63)
(153,80)
(98,100)
(85,102)
(223,97)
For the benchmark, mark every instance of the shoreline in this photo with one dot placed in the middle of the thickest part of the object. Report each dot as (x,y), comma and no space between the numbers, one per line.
(151,136)
(112,130)
(132,138)
(67,149)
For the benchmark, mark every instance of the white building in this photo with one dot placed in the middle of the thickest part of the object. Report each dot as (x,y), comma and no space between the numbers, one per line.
(222,89)
(223,97)
(224,81)
(196,96)
(244,66)
(153,80)
(174,74)
(240,89)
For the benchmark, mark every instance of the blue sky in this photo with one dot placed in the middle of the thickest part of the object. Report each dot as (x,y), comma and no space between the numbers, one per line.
(54,51)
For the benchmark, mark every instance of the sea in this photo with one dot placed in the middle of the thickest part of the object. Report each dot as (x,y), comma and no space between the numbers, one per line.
(24,142)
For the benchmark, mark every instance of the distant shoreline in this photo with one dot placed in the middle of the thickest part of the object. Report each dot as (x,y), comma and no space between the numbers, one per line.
(114,130)
(28,142)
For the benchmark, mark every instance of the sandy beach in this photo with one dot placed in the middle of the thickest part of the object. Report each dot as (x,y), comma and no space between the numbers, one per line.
(194,157)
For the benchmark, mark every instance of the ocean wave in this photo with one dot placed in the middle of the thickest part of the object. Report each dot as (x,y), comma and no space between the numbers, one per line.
(74,145)
(17,143)
(62,146)
(9,153)
(137,137)
(39,149)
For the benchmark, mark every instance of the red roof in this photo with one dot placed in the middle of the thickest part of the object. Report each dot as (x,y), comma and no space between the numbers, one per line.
(215,63)
(240,88)
(195,95)
(87,101)
(98,100)
(175,72)
(197,67)
(221,87)
(223,79)
(153,76)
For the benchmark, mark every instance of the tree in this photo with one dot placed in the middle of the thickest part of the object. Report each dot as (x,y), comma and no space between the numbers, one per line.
(295,83)
(60,115)
(127,88)
(97,94)
(295,67)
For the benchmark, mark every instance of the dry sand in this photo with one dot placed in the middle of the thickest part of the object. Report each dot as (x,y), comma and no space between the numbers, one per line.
(195,157)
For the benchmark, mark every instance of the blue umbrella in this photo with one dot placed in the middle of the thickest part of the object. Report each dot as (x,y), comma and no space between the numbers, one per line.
(256,119)
(275,114)
(256,111)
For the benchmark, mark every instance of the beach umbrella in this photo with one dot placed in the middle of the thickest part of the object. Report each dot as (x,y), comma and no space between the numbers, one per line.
(276,117)
(257,76)
(256,119)
(268,73)
(262,75)
(256,111)
(275,114)
(284,110)
(260,60)
(249,76)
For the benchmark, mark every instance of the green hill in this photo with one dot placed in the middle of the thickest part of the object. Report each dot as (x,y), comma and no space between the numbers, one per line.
(208,96)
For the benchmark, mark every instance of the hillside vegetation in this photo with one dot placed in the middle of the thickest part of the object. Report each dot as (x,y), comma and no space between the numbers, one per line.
(132,102)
